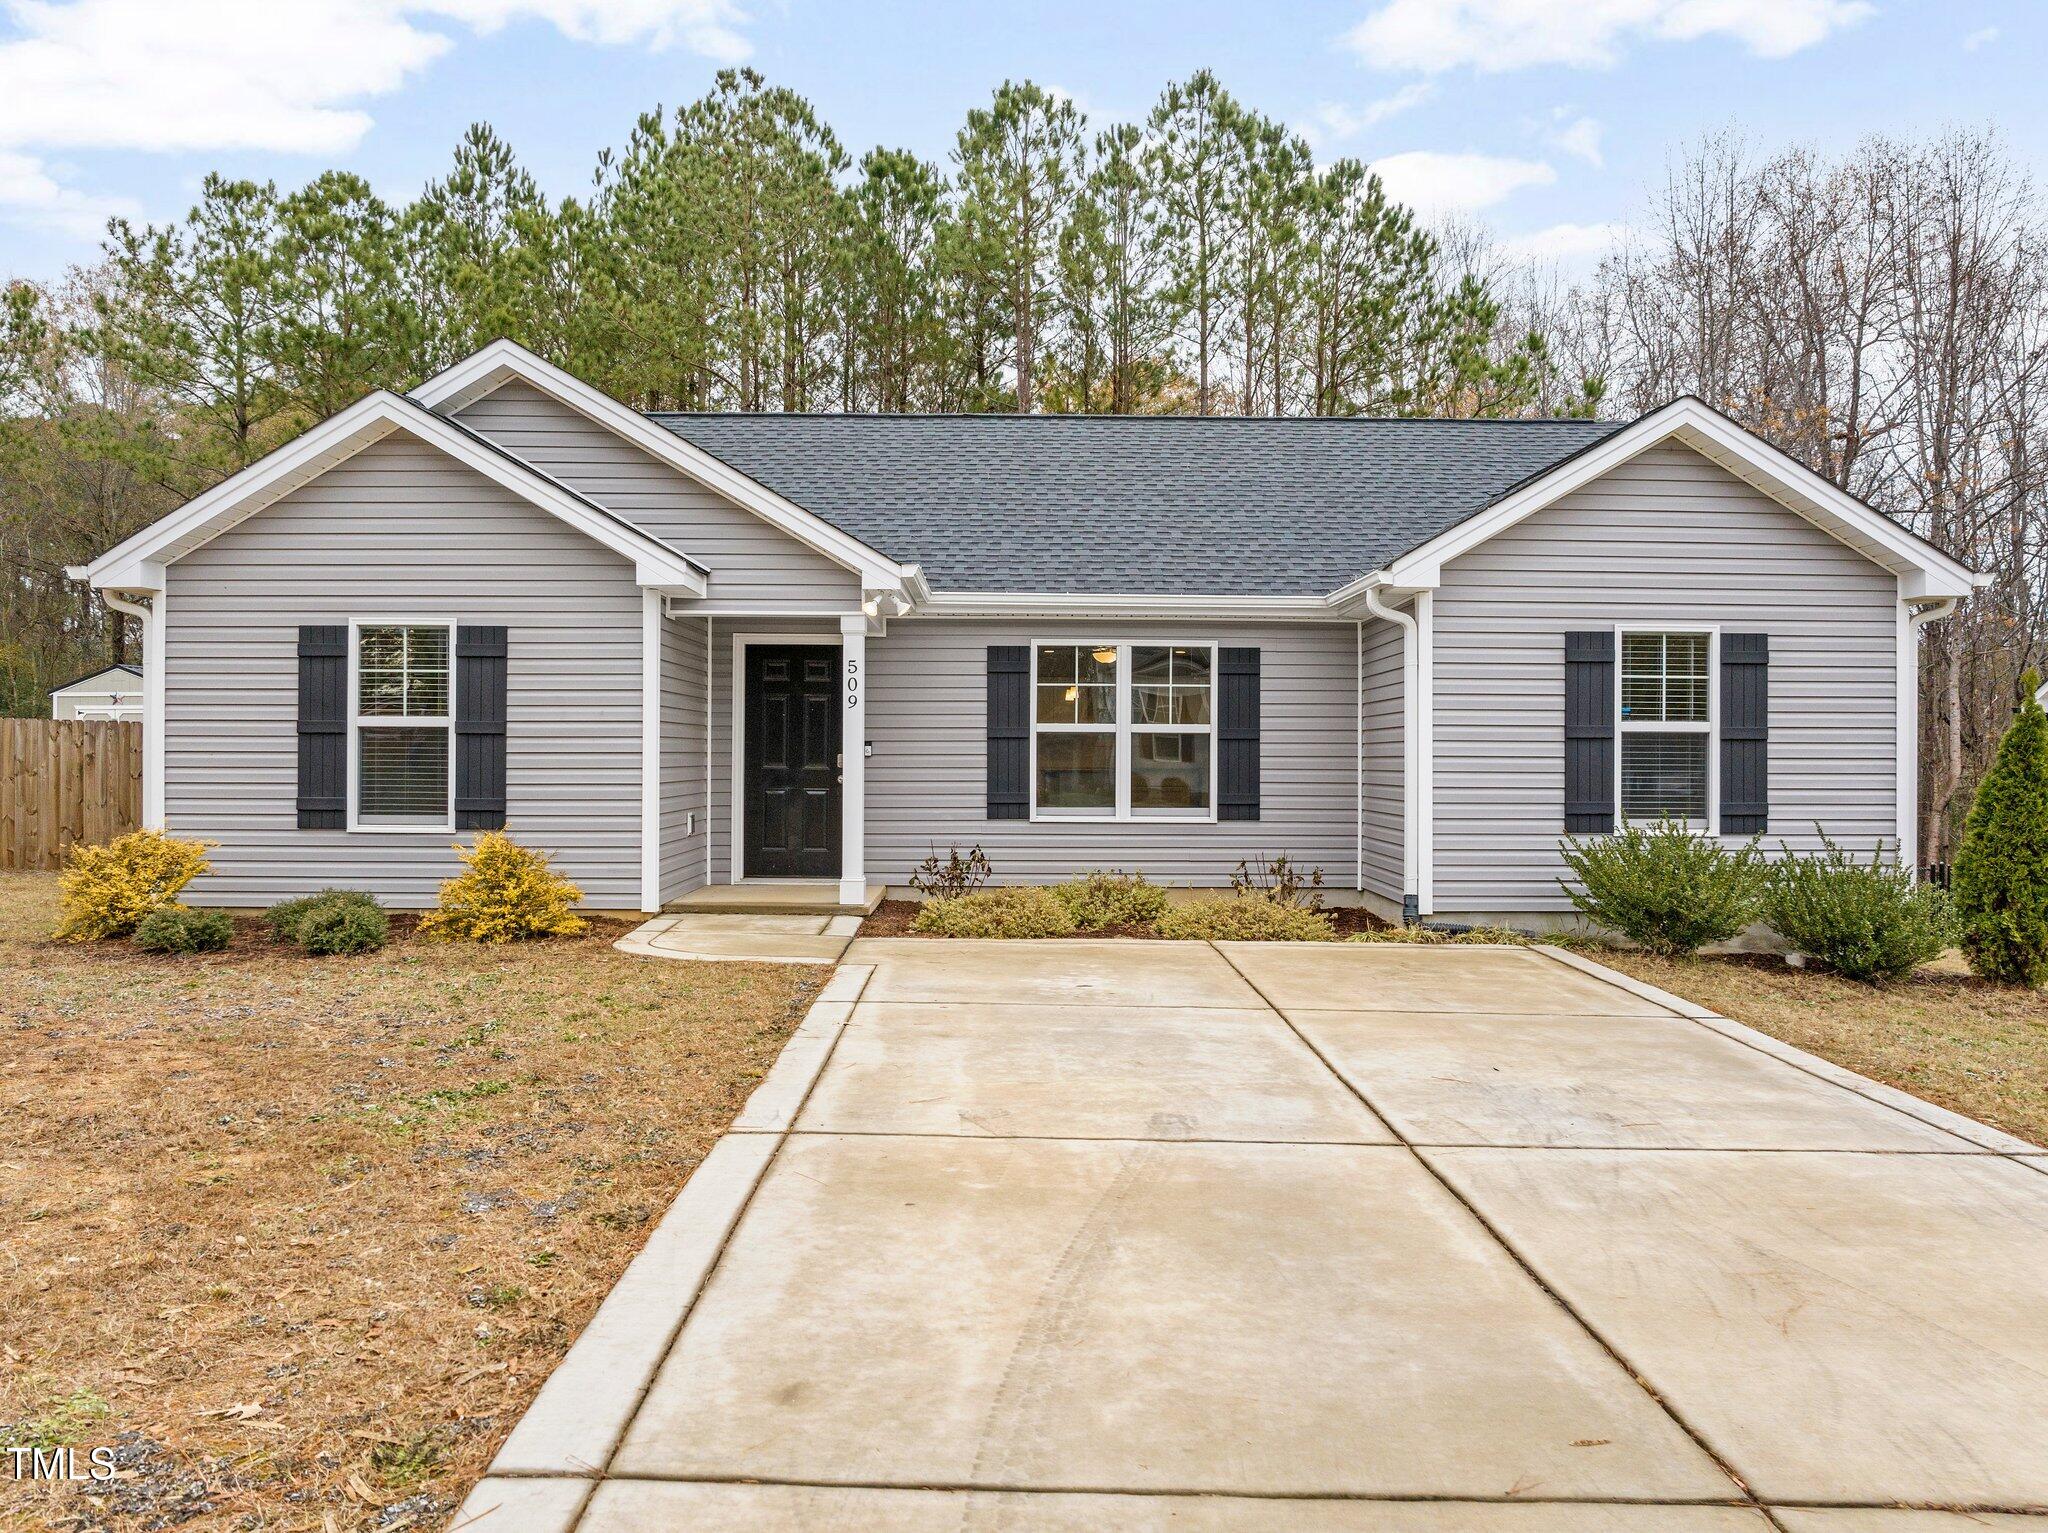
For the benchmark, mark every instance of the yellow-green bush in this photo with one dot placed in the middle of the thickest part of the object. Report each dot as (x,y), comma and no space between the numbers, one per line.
(1097,900)
(105,891)
(998,913)
(1429,937)
(1244,919)
(506,893)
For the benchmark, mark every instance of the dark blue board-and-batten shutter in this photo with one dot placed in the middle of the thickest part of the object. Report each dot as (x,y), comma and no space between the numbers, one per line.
(1237,734)
(480,661)
(1745,734)
(1009,732)
(1589,733)
(323,727)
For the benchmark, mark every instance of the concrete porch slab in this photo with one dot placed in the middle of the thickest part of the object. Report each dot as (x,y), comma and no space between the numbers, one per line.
(1386,976)
(651,1506)
(762,896)
(1597,1082)
(728,936)
(1850,1328)
(1208,1318)
(1057,972)
(1082,1072)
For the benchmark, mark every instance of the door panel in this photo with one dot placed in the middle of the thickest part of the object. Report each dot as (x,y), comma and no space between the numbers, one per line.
(792,761)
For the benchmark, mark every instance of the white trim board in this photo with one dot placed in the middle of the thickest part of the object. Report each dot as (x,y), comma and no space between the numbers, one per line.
(138,563)
(502,361)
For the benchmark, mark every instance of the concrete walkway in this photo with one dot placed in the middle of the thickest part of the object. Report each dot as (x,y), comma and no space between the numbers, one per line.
(1128,1235)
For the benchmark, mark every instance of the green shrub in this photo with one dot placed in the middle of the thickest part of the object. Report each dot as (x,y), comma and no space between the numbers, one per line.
(105,891)
(997,913)
(350,924)
(1868,921)
(1664,888)
(2000,882)
(284,917)
(180,929)
(1097,900)
(1244,919)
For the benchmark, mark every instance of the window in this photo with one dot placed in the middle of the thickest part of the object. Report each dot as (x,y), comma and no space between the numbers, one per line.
(403,686)
(1122,730)
(1667,727)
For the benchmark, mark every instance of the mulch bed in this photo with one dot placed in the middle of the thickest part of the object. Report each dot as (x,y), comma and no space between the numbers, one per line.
(892,918)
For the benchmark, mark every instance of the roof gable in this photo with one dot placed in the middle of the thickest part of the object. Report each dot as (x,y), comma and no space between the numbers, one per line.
(138,564)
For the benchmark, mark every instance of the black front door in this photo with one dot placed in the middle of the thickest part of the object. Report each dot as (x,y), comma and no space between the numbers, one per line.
(792,761)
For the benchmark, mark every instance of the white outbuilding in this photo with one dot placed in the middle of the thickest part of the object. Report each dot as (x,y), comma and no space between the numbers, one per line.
(114,692)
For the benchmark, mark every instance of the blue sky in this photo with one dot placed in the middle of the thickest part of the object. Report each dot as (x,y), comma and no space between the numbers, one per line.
(1545,119)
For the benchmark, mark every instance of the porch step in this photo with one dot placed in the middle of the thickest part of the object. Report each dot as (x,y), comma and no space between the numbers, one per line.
(769,898)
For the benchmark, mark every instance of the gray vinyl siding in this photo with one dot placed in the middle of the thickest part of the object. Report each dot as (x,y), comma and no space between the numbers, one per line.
(1667,538)
(1385,725)
(399,532)
(753,565)
(927,780)
(683,773)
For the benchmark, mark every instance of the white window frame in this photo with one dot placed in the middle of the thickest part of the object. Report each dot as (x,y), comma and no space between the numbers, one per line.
(358,721)
(1125,727)
(1711,825)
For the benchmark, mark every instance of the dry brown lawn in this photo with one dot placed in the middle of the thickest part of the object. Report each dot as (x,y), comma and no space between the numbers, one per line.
(1964,1043)
(301,1237)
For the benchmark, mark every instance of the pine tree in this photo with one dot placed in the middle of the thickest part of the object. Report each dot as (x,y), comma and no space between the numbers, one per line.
(2001,874)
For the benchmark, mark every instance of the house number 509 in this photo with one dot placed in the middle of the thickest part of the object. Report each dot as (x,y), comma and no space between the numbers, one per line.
(853,683)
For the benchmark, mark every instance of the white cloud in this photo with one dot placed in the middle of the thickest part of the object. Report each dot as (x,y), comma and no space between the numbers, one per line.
(31,195)
(1435,184)
(1333,122)
(1983,37)
(1500,35)
(1576,136)
(288,76)
(1566,245)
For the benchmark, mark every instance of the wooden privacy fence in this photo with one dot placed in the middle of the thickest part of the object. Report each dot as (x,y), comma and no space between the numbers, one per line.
(63,781)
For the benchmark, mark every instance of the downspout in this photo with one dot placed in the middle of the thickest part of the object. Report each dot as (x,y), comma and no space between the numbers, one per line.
(1358,750)
(1411,699)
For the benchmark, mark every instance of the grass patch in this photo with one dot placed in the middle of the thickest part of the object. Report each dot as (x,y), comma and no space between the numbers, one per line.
(1963,1043)
(305,1228)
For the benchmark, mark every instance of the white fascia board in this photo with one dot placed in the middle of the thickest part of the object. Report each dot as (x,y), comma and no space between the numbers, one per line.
(1053,604)
(138,564)
(1776,474)
(502,361)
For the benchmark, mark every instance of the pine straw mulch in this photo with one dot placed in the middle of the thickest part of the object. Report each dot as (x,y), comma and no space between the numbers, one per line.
(892,918)
(300,1238)
(1958,1041)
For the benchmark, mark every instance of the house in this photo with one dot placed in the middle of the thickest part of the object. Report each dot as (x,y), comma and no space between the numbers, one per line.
(679,650)
(112,692)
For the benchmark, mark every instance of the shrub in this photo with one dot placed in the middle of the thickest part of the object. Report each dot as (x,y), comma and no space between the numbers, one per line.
(1664,888)
(346,922)
(1096,900)
(1241,919)
(180,929)
(1278,880)
(1867,921)
(287,917)
(998,913)
(948,880)
(1430,936)
(506,893)
(105,891)
(2000,881)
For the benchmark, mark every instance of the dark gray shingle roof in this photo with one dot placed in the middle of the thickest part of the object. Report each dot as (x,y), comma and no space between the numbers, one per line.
(1137,504)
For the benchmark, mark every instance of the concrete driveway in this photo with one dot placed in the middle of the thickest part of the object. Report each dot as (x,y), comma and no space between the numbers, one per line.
(1120,1235)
